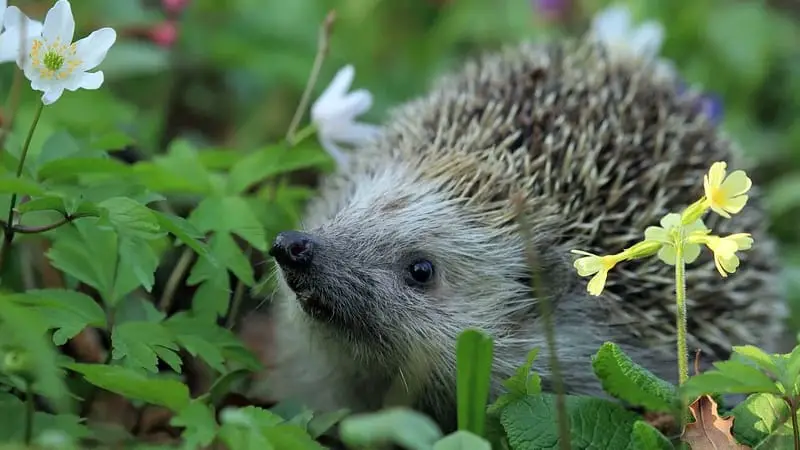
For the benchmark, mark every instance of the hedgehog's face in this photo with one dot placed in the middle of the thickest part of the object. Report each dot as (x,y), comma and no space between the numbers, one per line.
(393,262)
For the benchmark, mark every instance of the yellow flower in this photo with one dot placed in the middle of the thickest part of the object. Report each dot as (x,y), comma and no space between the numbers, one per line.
(597,266)
(725,195)
(669,235)
(724,249)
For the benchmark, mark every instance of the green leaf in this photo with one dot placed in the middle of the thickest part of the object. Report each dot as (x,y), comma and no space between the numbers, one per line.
(522,383)
(212,297)
(59,145)
(88,253)
(763,421)
(757,356)
(13,417)
(13,185)
(789,371)
(69,167)
(130,218)
(199,422)
(25,330)
(462,440)
(178,171)
(136,266)
(270,161)
(632,383)
(67,312)
(400,426)
(185,232)
(133,384)
(222,385)
(197,338)
(730,377)
(530,423)
(290,436)
(474,371)
(320,423)
(230,255)
(646,437)
(229,215)
(139,345)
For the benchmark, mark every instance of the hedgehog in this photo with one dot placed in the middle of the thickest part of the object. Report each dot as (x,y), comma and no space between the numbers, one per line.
(415,238)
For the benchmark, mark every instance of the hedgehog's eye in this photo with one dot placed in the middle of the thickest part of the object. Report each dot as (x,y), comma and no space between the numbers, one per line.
(421,271)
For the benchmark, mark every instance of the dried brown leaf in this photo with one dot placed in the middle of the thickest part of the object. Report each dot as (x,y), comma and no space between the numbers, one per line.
(709,431)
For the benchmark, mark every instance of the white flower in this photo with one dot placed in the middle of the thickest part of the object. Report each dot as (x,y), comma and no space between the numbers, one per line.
(335,111)
(55,63)
(11,39)
(613,27)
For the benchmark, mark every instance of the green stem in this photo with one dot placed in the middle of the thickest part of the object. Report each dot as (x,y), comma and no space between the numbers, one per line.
(680,298)
(29,410)
(795,430)
(5,246)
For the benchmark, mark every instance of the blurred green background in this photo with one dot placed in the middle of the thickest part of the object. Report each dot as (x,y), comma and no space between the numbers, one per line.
(230,73)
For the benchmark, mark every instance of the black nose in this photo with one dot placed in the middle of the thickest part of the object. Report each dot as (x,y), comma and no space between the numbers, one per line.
(292,249)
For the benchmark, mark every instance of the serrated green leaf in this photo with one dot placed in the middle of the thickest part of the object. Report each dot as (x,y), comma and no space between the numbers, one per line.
(228,254)
(212,297)
(474,371)
(130,218)
(270,161)
(646,437)
(133,384)
(13,417)
(530,423)
(462,440)
(138,345)
(197,338)
(199,422)
(229,215)
(20,186)
(401,426)
(67,312)
(137,259)
(90,260)
(632,383)
(69,167)
(522,383)
(185,232)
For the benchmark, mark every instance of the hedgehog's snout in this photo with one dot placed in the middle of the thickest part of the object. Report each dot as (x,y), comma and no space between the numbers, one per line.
(293,250)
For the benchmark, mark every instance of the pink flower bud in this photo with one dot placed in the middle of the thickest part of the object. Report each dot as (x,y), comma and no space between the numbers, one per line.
(164,34)
(174,6)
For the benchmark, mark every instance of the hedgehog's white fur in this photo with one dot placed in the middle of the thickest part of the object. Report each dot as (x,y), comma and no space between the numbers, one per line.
(600,149)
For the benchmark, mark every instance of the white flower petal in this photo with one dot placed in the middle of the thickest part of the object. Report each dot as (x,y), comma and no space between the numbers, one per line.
(355,103)
(9,46)
(611,24)
(59,23)
(52,94)
(336,89)
(646,39)
(14,18)
(92,49)
(336,153)
(354,133)
(91,80)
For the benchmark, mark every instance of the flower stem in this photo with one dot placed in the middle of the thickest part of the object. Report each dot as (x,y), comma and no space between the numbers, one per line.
(5,246)
(680,299)
(795,430)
